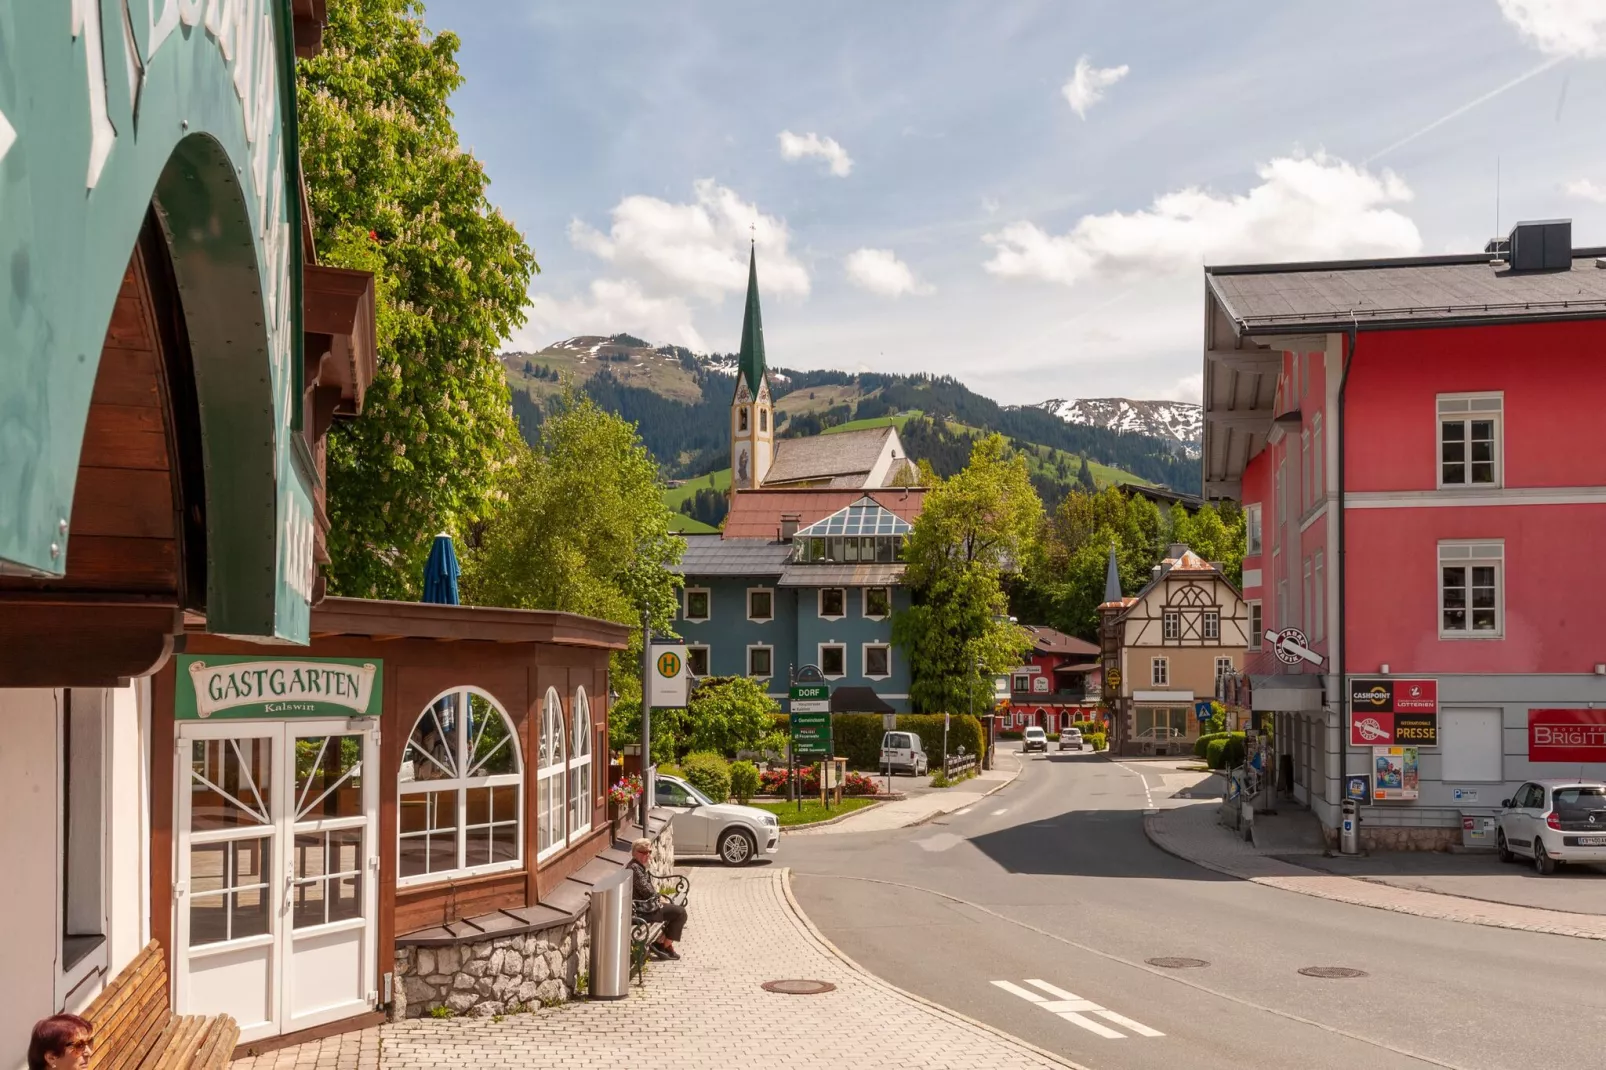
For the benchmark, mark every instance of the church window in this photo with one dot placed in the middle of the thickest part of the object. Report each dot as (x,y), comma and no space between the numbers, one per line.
(763,419)
(741,418)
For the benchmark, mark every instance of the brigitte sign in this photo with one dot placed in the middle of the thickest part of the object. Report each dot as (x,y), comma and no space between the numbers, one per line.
(1573,736)
(228,687)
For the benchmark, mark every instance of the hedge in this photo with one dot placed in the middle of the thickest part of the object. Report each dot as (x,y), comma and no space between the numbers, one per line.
(857,736)
(709,774)
(744,781)
(1221,750)
(964,731)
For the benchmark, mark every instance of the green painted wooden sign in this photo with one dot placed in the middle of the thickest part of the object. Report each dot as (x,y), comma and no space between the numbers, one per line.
(811,734)
(236,687)
(108,108)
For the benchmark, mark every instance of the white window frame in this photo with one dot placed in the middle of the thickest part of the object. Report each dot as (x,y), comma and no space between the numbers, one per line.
(1257,623)
(1160,672)
(1224,667)
(1304,470)
(1282,603)
(1465,408)
(864,603)
(1210,624)
(1471,553)
(1282,497)
(749,665)
(685,604)
(1318,474)
(462,785)
(1021,682)
(820,600)
(1318,591)
(85,902)
(1254,542)
(582,772)
(751,591)
(819,654)
(550,737)
(1170,624)
(864,660)
(708,655)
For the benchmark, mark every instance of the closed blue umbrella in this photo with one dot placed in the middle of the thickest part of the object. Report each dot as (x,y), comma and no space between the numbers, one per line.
(440,572)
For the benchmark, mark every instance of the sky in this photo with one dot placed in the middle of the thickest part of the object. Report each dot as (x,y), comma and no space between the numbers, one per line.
(1018,194)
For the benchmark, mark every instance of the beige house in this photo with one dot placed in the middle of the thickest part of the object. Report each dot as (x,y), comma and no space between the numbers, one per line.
(1171,642)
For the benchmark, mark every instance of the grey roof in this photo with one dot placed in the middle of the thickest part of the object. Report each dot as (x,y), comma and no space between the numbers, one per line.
(817,575)
(823,456)
(710,555)
(1433,290)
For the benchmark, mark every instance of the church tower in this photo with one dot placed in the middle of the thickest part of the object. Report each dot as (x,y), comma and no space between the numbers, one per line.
(752,409)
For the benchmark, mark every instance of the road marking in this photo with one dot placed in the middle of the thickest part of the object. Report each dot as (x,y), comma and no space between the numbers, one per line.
(1076,1010)
(965,810)
(1001,811)
(1148,795)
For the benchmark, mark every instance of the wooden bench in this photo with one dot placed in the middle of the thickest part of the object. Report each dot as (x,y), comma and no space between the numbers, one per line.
(675,888)
(135,1030)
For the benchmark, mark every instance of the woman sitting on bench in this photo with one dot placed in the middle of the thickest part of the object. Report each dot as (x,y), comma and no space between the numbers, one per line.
(650,906)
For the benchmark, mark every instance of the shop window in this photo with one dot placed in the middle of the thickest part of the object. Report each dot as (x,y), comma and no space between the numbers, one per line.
(760,662)
(760,604)
(83,779)
(696,604)
(833,602)
(580,770)
(549,808)
(1160,672)
(697,660)
(1469,440)
(1471,601)
(461,790)
(1160,723)
(877,602)
(877,661)
(833,660)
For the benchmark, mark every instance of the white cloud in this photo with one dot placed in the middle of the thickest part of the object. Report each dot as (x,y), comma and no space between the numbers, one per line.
(1560,27)
(990,205)
(1587,190)
(881,272)
(697,249)
(797,146)
(1088,83)
(1304,208)
(1189,388)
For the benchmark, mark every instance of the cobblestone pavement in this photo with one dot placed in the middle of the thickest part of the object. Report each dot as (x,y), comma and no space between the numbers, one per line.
(917,808)
(1192,833)
(706,1012)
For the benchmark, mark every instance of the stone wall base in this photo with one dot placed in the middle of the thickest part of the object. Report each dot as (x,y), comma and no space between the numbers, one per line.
(1374,837)
(492,976)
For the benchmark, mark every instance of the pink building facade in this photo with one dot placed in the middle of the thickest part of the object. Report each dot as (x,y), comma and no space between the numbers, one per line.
(1427,511)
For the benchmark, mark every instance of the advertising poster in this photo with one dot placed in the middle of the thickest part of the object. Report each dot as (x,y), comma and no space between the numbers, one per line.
(1567,735)
(1394,774)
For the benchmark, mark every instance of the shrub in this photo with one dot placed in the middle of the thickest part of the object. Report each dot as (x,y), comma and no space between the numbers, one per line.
(1203,742)
(709,774)
(1085,727)
(744,781)
(1094,740)
(1225,750)
(857,737)
(859,784)
(1213,751)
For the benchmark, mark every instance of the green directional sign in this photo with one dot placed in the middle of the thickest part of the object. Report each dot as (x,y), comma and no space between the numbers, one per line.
(811,698)
(811,734)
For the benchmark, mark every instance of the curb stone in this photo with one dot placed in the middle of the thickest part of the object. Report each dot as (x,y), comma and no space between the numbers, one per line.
(937,1008)
(833,820)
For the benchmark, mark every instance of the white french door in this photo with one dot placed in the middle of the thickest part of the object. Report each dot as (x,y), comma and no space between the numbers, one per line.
(274,893)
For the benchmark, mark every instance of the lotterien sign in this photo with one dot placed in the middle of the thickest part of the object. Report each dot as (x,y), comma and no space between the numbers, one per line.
(229,687)
(108,110)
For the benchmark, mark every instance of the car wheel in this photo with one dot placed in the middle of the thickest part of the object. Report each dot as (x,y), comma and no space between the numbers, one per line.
(736,848)
(1543,863)
(1503,847)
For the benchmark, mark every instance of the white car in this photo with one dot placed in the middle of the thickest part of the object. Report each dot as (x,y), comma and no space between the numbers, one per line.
(1554,821)
(1034,738)
(903,752)
(734,834)
(1070,738)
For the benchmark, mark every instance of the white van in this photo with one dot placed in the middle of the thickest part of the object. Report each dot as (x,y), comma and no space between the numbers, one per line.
(902,752)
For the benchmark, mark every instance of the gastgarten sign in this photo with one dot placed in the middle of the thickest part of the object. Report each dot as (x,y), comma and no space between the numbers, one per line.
(242,686)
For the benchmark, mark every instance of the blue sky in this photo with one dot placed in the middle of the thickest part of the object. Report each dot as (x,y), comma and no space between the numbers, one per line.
(1020,194)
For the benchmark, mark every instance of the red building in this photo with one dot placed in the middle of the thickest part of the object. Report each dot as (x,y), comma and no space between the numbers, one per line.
(1058,685)
(1407,438)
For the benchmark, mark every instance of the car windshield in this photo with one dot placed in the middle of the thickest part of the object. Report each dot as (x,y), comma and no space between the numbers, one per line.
(697,796)
(1584,798)
(1034,731)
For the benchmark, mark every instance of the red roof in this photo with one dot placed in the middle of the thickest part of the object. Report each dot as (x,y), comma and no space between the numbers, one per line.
(756,514)
(1048,641)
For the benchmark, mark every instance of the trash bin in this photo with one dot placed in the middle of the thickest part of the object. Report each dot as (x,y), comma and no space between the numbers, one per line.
(1349,829)
(1477,830)
(609,924)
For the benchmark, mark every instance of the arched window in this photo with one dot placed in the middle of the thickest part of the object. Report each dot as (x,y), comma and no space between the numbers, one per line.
(461,791)
(580,803)
(549,801)
(741,418)
(763,419)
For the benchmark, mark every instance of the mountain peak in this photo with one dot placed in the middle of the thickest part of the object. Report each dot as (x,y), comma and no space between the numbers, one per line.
(1179,421)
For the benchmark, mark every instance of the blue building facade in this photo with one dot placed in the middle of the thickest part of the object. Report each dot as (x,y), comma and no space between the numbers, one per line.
(824,596)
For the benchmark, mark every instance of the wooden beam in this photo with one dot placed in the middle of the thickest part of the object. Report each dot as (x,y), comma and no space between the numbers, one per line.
(1223,488)
(83,645)
(1247,418)
(1245,360)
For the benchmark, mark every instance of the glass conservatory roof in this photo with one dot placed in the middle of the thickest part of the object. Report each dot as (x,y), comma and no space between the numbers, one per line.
(863,517)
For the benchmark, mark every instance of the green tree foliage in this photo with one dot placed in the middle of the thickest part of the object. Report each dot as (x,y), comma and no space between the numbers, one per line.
(709,506)
(726,714)
(1084,478)
(391,192)
(974,528)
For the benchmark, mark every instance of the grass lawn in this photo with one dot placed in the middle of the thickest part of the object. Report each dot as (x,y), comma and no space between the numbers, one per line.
(673,496)
(689,525)
(789,814)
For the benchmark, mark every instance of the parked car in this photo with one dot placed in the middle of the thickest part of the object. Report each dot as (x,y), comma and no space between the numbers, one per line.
(1034,738)
(1070,739)
(1554,822)
(903,752)
(734,834)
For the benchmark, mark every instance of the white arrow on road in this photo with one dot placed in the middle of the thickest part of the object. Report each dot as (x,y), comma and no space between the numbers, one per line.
(8,134)
(1075,1009)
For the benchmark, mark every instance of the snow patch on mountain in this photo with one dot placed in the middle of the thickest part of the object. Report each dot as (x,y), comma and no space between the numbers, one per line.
(1179,421)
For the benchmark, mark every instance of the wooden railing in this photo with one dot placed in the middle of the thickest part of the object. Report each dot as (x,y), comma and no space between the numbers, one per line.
(959,765)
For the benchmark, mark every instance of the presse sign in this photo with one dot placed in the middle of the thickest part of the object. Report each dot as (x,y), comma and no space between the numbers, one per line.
(1388,712)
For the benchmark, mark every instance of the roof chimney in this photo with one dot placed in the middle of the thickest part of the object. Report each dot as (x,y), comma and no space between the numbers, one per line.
(1155,572)
(789,525)
(1542,245)
(1175,551)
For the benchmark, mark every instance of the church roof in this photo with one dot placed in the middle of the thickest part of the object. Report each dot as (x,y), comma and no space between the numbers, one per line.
(827,457)
(750,365)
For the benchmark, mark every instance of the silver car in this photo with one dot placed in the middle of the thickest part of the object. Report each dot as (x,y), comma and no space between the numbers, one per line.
(1070,739)
(1554,821)
(734,834)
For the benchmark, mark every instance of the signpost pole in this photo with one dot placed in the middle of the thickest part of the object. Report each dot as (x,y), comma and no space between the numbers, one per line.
(646,717)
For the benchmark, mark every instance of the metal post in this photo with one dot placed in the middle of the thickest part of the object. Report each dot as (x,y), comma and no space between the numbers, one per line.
(646,717)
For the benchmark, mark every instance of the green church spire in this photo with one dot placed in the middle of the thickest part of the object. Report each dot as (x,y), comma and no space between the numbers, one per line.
(751,365)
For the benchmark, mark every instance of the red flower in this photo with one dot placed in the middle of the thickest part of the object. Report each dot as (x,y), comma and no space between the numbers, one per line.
(372,236)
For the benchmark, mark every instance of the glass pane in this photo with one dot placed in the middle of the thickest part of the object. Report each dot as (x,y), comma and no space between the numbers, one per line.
(1483,598)
(442,809)
(505,804)
(1454,451)
(1483,620)
(479,805)
(582,725)
(231,782)
(494,751)
(309,855)
(442,851)
(207,864)
(1482,450)
(414,856)
(414,816)
(250,914)
(431,749)
(209,919)
(324,763)
(1482,472)
(505,843)
(477,847)
(850,550)
(1483,576)
(250,861)
(1453,431)
(1455,473)
(308,904)
(1455,620)
(345,897)
(346,850)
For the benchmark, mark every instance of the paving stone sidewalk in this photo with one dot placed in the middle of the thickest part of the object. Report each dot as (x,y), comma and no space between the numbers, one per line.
(902,813)
(1192,833)
(706,1012)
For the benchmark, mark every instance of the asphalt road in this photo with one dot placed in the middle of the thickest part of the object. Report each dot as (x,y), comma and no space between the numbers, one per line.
(1051,887)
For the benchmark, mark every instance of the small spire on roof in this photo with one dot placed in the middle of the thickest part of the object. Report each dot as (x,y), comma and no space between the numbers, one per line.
(1112,579)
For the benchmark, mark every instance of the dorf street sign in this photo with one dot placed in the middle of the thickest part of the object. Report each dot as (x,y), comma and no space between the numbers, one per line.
(811,734)
(810,698)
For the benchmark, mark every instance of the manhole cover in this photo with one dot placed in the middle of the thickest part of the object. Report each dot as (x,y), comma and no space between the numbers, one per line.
(798,988)
(1176,963)
(1332,973)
